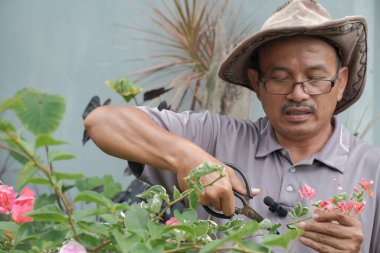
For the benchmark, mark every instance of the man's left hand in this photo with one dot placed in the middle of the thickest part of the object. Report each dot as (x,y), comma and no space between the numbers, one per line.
(332,232)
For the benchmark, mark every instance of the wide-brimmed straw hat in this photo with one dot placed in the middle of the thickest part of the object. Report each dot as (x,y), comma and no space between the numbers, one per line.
(306,17)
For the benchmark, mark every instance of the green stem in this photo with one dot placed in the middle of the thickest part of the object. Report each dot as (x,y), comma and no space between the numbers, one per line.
(56,189)
(184,195)
(182,249)
(300,220)
(235,248)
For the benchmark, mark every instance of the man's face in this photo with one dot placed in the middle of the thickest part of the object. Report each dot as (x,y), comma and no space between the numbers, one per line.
(299,115)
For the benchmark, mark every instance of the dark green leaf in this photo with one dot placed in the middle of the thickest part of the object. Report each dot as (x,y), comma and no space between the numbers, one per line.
(88,183)
(44,200)
(88,241)
(51,239)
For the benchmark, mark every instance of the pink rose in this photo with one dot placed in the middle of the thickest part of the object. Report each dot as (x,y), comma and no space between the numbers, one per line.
(73,247)
(307,192)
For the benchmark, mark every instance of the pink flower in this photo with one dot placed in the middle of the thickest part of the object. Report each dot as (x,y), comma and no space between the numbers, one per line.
(326,205)
(22,205)
(345,207)
(7,197)
(358,207)
(73,247)
(307,192)
(367,187)
(172,221)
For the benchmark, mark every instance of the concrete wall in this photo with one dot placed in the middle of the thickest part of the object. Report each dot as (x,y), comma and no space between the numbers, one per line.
(71,47)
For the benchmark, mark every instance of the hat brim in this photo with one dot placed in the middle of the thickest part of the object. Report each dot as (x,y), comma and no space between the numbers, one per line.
(349,34)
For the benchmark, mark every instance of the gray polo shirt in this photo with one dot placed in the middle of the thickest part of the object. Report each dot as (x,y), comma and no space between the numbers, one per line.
(343,161)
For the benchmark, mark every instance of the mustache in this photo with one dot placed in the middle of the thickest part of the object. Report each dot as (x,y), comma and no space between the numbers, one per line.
(298,104)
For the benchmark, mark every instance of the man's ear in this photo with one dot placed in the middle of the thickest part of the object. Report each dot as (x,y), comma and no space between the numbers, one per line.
(342,82)
(253,76)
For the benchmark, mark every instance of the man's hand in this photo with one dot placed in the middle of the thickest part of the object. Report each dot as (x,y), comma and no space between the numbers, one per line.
(220,194)
(332,232)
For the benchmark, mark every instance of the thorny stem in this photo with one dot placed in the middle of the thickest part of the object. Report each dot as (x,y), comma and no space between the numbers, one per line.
(184,195)
(97,248)
(48,174)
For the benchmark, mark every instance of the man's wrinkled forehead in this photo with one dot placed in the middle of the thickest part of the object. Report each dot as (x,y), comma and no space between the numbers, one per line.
(254,61)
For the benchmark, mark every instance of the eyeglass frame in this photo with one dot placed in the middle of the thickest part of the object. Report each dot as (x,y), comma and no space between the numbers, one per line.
(294,84)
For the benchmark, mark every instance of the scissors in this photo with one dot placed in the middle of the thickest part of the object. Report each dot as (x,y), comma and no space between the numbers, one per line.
(246,210)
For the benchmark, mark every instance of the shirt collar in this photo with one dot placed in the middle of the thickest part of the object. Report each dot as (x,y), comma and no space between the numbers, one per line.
(333,154)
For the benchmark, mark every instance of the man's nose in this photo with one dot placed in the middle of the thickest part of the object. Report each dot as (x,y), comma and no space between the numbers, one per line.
(298,94)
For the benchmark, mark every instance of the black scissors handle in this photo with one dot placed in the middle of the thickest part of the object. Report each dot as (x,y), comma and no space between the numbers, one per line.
(238,195)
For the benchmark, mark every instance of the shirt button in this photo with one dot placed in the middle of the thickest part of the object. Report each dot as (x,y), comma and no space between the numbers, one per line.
(292,169)
(283,152)
(289,188)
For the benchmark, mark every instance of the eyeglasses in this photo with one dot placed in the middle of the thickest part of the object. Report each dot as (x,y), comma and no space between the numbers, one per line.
(286,86)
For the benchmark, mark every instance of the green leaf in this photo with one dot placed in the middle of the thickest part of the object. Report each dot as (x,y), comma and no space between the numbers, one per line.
(124,87)
(94,227)
(204,169)
(193,200)
(155,229)
(46,140)
(176,193)
(51,239)
(48,213)
(88,183)
(201,227)
(188,216)
(211,247)
(88,241)
(11,103)
(68,176)
(121,242)
(8,226)
(92,197)
(44,200)
(6,126)
(28,171)
(136,219)
(56,155)
(41,113)
(187,230)
(38,180)
(282,240)
(111,188)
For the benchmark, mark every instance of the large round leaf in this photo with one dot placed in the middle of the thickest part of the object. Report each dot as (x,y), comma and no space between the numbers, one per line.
(41,113)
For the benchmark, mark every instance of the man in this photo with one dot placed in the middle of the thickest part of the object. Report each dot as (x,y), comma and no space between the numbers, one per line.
(304,67)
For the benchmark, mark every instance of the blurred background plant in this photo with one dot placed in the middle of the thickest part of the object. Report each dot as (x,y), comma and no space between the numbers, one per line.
(192,38)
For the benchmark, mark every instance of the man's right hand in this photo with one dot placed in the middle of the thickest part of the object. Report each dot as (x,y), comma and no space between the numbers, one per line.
(220,194)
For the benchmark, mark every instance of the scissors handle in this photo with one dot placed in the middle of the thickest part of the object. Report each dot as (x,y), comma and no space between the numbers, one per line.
(243,199)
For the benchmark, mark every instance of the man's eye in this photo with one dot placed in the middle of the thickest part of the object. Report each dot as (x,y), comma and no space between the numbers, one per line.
(316,78)
(281,79)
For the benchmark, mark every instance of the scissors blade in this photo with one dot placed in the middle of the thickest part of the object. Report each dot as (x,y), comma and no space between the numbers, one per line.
(250,213)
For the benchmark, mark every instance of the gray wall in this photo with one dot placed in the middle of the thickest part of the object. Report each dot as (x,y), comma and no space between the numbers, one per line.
(71,47)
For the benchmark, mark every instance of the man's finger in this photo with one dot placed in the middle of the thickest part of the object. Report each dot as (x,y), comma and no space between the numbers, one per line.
(327,228)
(325,239)
(237,184)
(340,217)
(317,246)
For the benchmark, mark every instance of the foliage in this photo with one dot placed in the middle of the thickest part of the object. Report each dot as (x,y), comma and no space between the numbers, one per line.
(104,226)
(192,38)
